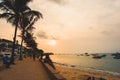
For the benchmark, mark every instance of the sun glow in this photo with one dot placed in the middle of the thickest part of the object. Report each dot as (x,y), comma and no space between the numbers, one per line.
(52,42)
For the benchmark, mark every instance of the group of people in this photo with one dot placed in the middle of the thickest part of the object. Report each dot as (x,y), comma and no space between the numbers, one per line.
(48,60)
(45,57)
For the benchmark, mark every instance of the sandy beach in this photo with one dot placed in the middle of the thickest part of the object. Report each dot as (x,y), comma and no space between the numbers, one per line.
(71,73)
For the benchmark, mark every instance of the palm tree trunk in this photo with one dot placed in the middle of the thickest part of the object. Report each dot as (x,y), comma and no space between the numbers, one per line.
(20,57)
(13,47)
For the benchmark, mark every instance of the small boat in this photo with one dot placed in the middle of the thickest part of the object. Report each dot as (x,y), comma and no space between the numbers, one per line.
(116,55)
(86,54)
(96,56)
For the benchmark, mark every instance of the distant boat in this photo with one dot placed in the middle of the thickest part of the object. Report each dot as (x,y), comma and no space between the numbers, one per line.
(116,55)
(97,56)
(80,55)
(86,54)
(104,55)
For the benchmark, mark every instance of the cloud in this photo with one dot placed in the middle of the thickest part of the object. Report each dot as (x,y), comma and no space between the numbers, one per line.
(106,32)
(90,27)
(60,2)
(43,35)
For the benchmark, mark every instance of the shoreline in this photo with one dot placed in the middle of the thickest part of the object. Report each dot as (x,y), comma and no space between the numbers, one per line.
(72,73)
(89,68)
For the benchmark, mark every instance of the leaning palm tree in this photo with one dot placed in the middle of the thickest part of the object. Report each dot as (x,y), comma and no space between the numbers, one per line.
(29,29)
(30,41)
(27,22)
(12,12)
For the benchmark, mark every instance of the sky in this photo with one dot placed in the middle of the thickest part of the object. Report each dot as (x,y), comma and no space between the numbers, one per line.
(74,26)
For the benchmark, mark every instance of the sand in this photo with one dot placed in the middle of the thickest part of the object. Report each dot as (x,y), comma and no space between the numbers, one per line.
(71,73)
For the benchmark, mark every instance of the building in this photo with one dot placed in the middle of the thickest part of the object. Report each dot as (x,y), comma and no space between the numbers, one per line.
(6,47)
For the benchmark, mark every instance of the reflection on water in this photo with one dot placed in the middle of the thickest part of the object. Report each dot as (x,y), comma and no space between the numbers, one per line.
(107,63)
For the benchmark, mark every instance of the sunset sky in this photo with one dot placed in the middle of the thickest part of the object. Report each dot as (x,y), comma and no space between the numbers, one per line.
(74,26)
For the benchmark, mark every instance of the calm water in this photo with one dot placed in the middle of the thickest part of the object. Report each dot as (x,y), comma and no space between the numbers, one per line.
(106,63)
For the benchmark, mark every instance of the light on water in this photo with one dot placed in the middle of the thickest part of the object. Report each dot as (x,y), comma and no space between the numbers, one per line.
(106,63)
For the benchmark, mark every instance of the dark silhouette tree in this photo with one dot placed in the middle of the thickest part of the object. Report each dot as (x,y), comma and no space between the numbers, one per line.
(13,12)
(28,20)
(30,41)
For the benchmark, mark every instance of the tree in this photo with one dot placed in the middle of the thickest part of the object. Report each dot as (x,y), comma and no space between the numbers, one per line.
(12,12)
(28,20)
(30,41)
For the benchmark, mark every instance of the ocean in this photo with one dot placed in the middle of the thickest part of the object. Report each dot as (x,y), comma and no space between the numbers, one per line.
(106,64)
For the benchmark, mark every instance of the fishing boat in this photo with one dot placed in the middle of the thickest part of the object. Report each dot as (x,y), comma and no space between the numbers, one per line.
(96,56)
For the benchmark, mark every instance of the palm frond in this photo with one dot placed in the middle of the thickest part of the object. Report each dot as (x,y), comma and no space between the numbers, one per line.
(6,5)
(22,2)
(8,16)
(30,28)
(4,15)
(3,8)
(19,35)
(20,5)
(33,13)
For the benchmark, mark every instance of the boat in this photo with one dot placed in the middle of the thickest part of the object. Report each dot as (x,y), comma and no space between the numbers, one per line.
(86,54)
(96,56)
(116,55)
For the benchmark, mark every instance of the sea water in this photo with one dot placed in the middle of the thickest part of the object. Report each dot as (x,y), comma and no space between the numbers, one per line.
(106,64)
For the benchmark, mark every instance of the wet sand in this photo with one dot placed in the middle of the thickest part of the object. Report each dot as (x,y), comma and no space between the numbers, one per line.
(77,74)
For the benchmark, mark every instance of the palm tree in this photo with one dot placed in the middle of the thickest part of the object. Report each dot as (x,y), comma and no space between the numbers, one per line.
(30,40)
(22,39)
(12,12)
(28,20)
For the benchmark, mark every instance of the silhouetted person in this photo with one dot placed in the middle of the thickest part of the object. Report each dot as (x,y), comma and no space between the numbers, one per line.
(6,61)
(48,60)
(41,57)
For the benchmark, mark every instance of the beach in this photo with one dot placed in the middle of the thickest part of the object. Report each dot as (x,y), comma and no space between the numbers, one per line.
(71,73)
